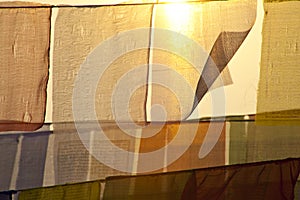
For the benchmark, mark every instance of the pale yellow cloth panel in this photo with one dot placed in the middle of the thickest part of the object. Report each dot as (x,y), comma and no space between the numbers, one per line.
(280,74)
(24,45)
(109,82)
(201,22)
(77,32)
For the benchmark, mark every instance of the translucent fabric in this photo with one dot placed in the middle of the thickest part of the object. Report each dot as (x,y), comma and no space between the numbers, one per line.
(24,46)
(278,94)
(150,100)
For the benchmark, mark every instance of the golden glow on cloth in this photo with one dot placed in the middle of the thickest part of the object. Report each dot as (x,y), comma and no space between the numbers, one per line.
(278,94)
(24,45)
(190,158)
(178,15)
(210,25)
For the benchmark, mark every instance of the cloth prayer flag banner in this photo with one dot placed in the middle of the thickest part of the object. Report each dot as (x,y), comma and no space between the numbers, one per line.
(24,46)
(278,93)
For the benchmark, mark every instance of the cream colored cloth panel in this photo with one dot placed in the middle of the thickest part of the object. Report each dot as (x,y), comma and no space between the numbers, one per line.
(78,31)
(203,23)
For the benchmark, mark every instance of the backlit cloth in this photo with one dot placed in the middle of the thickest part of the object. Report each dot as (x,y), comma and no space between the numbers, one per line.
(190,158)
(83,30)
(265,180)
(271,180)
(252,142)
(278,93)
(261,180)
(83,191)
(218,28)
(73,162)
(23,160)
(159,186)
(24,46)
(9,145)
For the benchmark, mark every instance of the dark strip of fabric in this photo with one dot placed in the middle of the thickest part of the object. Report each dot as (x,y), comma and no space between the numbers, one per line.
(222,51)
(263,180)
(17,126)
(275,180)
(158,187)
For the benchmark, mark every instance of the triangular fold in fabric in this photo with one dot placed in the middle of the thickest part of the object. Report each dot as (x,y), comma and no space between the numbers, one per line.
(223,50)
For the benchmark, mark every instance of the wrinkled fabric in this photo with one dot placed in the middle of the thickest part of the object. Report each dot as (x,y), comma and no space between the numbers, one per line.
(84,30)
(161,186)
(82,191)
(278,100)
(24,46)
(271,180)
(206,37)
